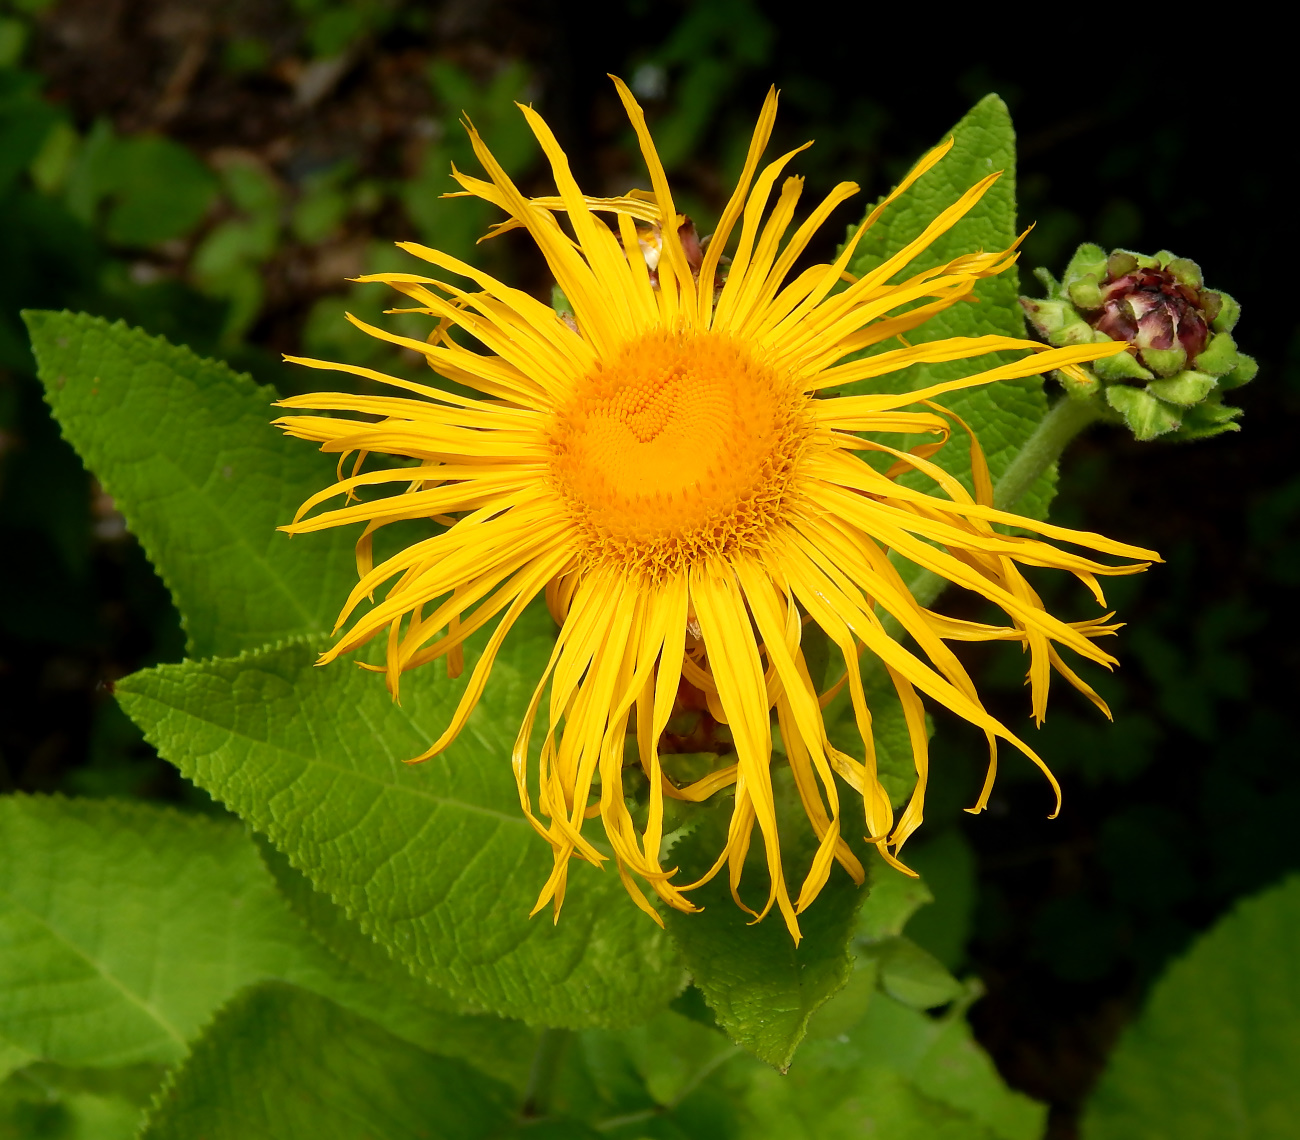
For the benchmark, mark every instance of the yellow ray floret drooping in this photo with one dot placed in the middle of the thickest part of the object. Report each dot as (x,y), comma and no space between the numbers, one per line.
(659,463)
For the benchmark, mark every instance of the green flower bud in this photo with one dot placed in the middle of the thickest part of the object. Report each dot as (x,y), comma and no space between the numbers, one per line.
(1076,332)
(1181,355)
(1078,389)
(1120,264)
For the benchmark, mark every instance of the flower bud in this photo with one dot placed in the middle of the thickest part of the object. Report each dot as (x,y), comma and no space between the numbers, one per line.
(1181,354)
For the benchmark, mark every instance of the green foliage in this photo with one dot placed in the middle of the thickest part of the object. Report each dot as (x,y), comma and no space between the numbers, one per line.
(185,447)
(227,261)
(318,214)
(670,1077)
(149,188)
(708,53)
(1216,1051)
(125,926)
(282,1062)
(946,863)
(455,225)
(52,1102)
(336,27)
(25,118)
(890,1071)
(437,862)
(761,987)
(1002,415)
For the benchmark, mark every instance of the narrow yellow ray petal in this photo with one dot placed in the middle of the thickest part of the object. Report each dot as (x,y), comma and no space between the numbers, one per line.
(672,247)
(722,231)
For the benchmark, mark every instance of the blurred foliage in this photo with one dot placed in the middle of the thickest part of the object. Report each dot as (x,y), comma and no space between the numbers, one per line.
(129,190)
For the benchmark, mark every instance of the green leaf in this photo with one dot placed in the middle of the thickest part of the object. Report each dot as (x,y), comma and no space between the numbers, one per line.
(386,992)
(329,923)
(435,861)
(185,448)
(897,1073)
(12,1057)
(394,997)
(50,1102)
(25,122)
(123,926)
(914,976)
(280,1062)
(843,1104)
(946,862)
(1003,415)
(671,1054)
(894,898)
(670,1077)
(158,190)
(761,987)
(1216,1051)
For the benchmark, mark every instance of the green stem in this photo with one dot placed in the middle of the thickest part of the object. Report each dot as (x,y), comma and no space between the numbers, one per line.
(547,1058)
(1064,420)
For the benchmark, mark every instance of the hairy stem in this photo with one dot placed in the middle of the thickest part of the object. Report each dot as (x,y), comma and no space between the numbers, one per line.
(1064,420)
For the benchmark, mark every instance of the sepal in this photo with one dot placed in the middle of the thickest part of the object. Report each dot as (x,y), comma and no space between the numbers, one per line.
(1146,415)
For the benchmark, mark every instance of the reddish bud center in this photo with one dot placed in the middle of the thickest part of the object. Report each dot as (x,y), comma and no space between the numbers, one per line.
(1151,308)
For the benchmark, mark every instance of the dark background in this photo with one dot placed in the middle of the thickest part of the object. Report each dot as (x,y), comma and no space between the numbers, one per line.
(347,112)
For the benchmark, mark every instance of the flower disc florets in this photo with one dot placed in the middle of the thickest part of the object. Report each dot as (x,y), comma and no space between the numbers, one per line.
(682,446)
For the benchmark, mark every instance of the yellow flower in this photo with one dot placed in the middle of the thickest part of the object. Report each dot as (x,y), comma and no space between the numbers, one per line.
(662,466)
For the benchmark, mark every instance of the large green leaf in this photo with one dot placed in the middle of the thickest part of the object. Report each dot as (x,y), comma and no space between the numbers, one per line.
(671,1078)
(435,861)
(1216,1051)
(280,1062)
(330,924)
(892,1072)
(124,926)
(185,447)
(1003,415)
(409,1006)
(759,984)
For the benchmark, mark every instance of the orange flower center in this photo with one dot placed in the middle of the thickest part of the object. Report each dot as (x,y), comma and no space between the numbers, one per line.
(682,445)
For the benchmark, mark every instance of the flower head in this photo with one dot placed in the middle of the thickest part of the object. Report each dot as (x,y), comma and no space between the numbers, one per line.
(661,464)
